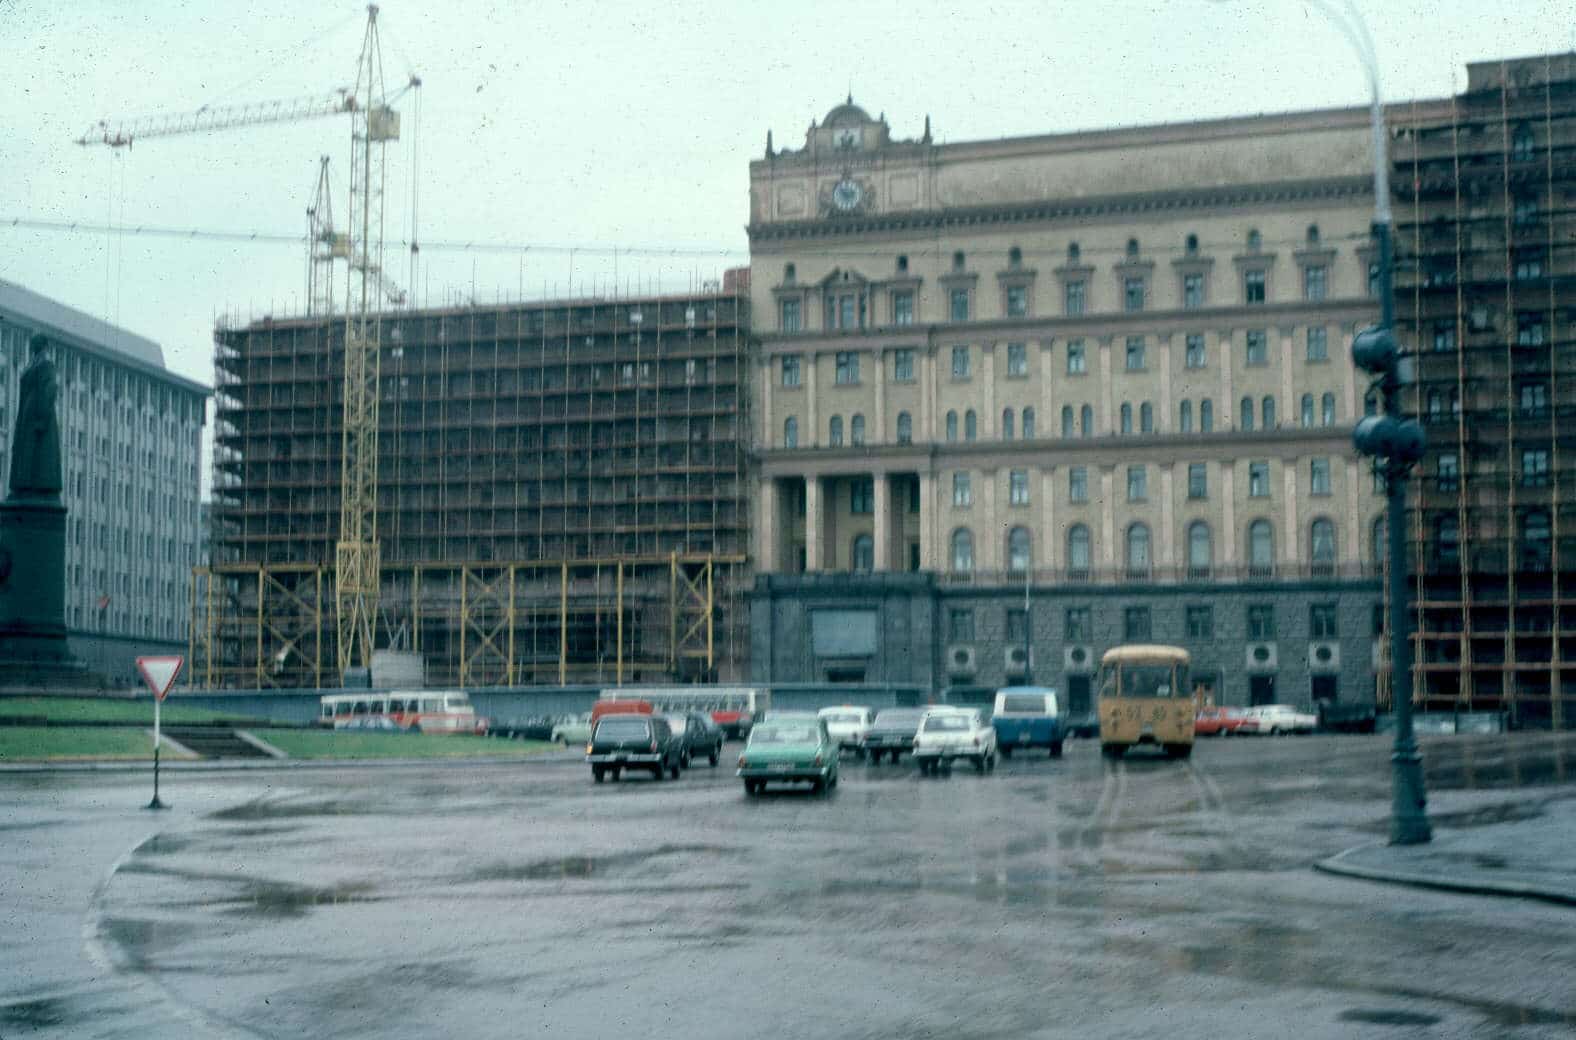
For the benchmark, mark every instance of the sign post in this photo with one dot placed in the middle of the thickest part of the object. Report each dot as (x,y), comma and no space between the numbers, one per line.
(159,673)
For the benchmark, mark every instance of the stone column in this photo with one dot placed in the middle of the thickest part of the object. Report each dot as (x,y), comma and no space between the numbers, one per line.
(927,522)
(879,433)
(1107,556)
(927,395)
(1350,475)
(990,425)
(1288,402)
(1167,535)
(1354,404)
(988,532)
(1163,421)
(814,525)
(1292,553)
(883,521)
(1049,555)
(1226,414)
(1105,422)
(1230,537)
(767,530)
(813,437)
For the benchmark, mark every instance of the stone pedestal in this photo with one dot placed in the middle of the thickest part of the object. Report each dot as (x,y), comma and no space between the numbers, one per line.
(33,650)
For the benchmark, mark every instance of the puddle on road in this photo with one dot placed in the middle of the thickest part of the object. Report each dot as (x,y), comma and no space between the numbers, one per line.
(34,1014)
(587,866)
(273,809)
(1386,1017)
(1483,816)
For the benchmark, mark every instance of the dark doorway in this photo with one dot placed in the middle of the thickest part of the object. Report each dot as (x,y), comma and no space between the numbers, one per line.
(1325,688)
(1077,694)
(845,674)
(913,556)
(1261,689)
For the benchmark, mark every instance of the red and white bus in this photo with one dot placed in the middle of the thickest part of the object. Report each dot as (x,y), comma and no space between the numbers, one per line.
(735,708)
(415,711)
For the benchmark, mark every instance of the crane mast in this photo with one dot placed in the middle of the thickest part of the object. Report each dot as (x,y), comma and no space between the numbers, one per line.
(324,246)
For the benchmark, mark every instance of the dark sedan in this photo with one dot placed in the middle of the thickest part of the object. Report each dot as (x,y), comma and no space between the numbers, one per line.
(698,736)
(892,733)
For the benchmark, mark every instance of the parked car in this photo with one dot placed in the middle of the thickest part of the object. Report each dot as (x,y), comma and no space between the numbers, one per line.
(1222,722)
(1348,718)
(1027,717)
(892,733)
(947,734)
(633,741)
(575,729)
(789,749)
(1276,719)
(698,736)
(848,725)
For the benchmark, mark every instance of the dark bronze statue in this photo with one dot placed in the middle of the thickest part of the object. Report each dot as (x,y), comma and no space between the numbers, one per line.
(35,450)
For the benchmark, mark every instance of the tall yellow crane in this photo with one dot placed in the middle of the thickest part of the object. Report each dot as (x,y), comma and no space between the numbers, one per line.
(374,123)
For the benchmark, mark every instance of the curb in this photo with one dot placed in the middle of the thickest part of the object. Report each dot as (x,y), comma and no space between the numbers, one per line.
(1512,889)
(246,765)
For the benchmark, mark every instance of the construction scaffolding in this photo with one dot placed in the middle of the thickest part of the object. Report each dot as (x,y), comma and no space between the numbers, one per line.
(1486,295)
(562,495)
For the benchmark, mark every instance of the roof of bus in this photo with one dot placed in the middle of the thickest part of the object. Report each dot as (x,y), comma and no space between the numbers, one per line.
(1145,652)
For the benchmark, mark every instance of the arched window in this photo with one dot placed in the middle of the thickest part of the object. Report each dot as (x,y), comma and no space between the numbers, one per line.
(1006,424)
(1067,420)
(835,432)
(1307,410)
(788,273)
(1086,421)
(1206,416)
(1146,418)
(1078,549)
(1185,416)
(1028,424)
(1245,420)
(1535,552)
(856,431)
(1200,552)
(1019,553)
(1072,252)
(791,432)
(952,427)
(1192,244)
(1327,410)
(1138,551)
(905,428)
(1255,240)
(958,260)
(1014,257)
(1127,417)
(864,554)
(971,426)
(1267,414)
(1321,546)
(1313,234)
(1261,548)
(962,551)
(1132,249)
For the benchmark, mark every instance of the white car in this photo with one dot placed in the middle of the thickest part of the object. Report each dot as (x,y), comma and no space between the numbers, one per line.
(572,732)
(1275,719)
(847,726)
(946,734)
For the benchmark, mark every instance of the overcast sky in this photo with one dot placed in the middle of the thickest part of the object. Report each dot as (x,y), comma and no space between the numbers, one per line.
(603,125)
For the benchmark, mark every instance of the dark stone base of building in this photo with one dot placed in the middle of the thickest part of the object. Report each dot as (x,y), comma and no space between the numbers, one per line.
(1302,643)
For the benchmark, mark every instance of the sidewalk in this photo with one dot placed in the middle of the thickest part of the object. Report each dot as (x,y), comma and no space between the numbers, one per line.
(1528,859)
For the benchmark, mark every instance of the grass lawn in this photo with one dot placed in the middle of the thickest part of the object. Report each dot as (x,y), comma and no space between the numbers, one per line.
(105,709)
(306,743)
(34,743)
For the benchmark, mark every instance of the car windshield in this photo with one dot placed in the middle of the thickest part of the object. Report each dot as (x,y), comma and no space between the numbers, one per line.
(785,733)
(623,729)
(1023,703)
(677,724)
(1146,680)
(947,724)
(898,719)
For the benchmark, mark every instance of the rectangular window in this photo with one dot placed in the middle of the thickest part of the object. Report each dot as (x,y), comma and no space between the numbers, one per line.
(1132,294)
(1258,480)
(960,625)
(903,308)
(1258,347)
(1017,626)
(1322,621)
(1077,627)
(1018,487)
(1534,399)
(903,365)
(1135,625)
(1534,467)
(1075,297)
(1197,480)
(790,315)
(1315,282)
(790,371)
(1201,622)
(847,368)
(862,496)
(1318,343)
(960,304)
(1137,484)
(1261,621)
(1135,353)
(1253,286)
(1448,472)
(1192,291)
(962,490)
(1445,336)
(1017,359)
(1078,484)
(1319,476)
(1077,363)
(1017,301)
(960,362)
(1194,356)
(1529,330)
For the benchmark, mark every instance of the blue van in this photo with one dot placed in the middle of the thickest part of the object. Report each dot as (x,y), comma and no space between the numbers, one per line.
(1028,717)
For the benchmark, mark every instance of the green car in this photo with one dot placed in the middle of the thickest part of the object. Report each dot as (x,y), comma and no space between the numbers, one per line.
(789,749)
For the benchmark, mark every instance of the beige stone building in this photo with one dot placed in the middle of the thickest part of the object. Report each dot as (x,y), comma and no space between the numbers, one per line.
(1112,367)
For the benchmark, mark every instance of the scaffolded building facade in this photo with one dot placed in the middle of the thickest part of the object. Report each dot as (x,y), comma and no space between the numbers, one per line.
(561,494)
(1486,294)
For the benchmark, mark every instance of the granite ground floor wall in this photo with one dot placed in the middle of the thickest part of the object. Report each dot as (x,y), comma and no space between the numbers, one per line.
(1290,642)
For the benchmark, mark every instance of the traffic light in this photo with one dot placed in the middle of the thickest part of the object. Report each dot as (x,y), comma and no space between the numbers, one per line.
(1387,437)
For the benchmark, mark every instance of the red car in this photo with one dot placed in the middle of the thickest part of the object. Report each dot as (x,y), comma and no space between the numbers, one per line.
(1222,722)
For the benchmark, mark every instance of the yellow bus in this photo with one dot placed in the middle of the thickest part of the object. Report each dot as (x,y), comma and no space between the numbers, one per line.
(1145,698)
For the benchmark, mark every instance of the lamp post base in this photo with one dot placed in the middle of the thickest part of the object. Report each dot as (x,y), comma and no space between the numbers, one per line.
(1409,802)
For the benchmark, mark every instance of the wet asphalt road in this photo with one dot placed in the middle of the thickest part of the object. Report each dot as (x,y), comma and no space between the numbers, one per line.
(1076,897)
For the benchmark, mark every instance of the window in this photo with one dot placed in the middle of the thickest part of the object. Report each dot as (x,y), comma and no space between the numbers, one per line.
(1206,416)
(1193,357)
(1086,421)
(1076,627)
(864,554)
(1127,418)
(1006,424)
(856,431)
(1018,550)
(1318,343)
(1535,552)
(1306,410)
(1534,399)
(963,553)
(790,432)
(1321,621)
(962,490)
(862,496)
(1534,467)
(1245,421)
(1146,418)
(1192,291)
(958,261)
(1018,633)
(1522,143)
(1078,549)
(1315,282)
(790,366)
(1135,353)
(905,428)
(903,308)
(1267,413)
(1135,625)
(960,362)
(1200,622)
(1319,476)
(1067,420)
(1529,330)
(1028,424)
(1015,257)
(1017,359)
(1444,337)
(1253,286)
(1075,297)
(1137,484)
(791,320)
(952,427)
(960,622)
(1018,487)
(1138,551)
(847,368)
(1132,249)
(1185,416)
(1261,621)
(1526,209)
(1258,480)
(1261,548)
(1447,541)
(1077,363)
(788,272)
(1078,484)
(1258,347)
(1197,480)
(1200,550)
(1132,294)
(960,304)
(903,365)
(970,425)
(1321,546)
(1447,472)
(1529,264)
(835,432)
(1017,301)
(1255,240)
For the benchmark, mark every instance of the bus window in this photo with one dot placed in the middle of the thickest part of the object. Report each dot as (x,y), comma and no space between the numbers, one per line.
(328,711)
(360,709)
(456,700)
(396,705)
(430,706)
(342,708)
(1153,680)
(1107,682)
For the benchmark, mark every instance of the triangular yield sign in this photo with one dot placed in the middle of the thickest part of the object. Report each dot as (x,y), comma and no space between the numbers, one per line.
(160,672)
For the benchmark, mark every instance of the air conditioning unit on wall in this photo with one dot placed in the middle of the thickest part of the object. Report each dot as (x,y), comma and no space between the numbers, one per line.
(1261,658)
(961,662)
(1017,660)
(1079,660)
(1324,657)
